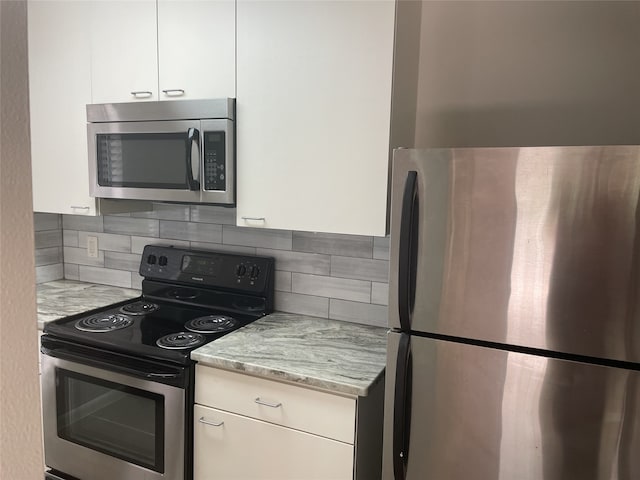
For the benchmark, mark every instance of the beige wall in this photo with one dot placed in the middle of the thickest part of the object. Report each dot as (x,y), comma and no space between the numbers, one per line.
(20,444)
(528,73)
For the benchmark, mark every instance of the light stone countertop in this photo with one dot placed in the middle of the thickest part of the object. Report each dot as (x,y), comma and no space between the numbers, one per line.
(61,298)
(329,354)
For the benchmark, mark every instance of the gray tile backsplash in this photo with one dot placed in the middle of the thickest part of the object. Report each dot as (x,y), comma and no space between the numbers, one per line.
(302,304)
(358,312)
(48,273)
(138,243)
(331,287)
(106,276)
(144,227)
(71,271)
(192,231)
(48,238)
(256,237)
(80,222)
(122,261)
(166,212)
(46,221)
(300,262)
(218,215)
(380,293)
(78,256)
(333,244)
(47,256)
(48,247)
(381,248)
(344,277)
(108,241)
(360,268)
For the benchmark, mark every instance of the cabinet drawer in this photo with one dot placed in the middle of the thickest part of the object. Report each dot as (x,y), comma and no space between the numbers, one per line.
(232,447)
(312,411)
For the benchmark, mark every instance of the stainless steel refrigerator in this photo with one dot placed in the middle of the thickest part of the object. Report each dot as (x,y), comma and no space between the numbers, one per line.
(514,308)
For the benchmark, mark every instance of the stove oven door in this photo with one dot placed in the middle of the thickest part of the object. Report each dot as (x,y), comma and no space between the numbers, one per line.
(111,419)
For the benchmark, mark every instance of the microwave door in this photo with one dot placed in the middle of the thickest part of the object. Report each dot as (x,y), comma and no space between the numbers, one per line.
(146,160)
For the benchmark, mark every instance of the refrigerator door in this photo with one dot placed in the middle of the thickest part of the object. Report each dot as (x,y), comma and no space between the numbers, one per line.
(479,413)
(536,247)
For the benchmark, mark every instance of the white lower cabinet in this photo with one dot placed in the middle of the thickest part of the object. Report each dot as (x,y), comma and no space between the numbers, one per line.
(233,446)
(253,428)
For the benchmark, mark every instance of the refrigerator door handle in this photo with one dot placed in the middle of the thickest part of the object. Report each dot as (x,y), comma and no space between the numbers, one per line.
(407,250)
(402,408)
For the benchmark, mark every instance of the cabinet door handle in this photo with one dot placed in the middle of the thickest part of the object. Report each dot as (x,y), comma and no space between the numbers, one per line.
(173,92)
(202,420)
(77,207)
(142,94)
(254,219)
(267,404)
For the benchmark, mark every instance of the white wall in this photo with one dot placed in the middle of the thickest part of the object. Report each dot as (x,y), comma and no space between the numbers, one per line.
(20,431)
(528,73)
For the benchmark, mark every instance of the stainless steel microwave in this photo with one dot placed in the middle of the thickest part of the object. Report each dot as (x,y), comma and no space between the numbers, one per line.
(171,151)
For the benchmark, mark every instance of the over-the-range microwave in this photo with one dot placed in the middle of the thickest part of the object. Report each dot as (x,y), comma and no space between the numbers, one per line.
(171,151)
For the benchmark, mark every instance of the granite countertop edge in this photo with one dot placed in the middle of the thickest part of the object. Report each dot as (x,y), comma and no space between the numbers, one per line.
(287,376)
(332,355)
(62,298)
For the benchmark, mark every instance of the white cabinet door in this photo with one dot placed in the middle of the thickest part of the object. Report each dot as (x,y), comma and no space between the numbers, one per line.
(124,63)
(313,114)
(196,49)
(59,89)
(232,447)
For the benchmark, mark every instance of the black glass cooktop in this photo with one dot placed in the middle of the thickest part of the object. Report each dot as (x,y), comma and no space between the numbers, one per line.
(140,337)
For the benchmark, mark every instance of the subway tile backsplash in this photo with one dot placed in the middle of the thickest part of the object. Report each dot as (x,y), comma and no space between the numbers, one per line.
(48,244)
(344,277)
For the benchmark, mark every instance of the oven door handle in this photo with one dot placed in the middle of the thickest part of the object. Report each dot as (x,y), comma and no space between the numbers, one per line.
(143,371)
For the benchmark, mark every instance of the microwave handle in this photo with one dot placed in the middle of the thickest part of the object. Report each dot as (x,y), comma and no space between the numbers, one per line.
(193,136)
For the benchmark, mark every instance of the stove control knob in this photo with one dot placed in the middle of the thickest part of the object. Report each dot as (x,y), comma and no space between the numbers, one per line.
(255,271)
(241,270)
(162,261)
(151,259)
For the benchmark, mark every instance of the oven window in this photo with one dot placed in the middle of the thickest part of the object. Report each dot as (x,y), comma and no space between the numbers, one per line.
(114,419)
(142,160)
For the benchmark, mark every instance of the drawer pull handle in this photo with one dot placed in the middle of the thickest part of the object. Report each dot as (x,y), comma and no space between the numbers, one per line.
(202,420)
(173,92)
(267,404)
(142,94)
(254,219)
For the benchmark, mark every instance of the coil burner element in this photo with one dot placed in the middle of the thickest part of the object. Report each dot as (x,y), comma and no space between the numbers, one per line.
(181,340)
(104,323)
(211,324)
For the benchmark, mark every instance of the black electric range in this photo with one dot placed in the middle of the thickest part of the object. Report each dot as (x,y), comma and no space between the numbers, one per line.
(118,382)
(189,298)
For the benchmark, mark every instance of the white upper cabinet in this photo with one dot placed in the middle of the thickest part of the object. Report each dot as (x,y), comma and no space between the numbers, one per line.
(59,89)
(83,52)
(196,49)
(313,114)
(162,50)
(124,61)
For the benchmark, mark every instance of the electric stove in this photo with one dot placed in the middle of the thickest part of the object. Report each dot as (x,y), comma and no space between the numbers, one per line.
(118,381)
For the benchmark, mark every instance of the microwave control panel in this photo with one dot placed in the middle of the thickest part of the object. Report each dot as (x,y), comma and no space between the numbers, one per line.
(214,161)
